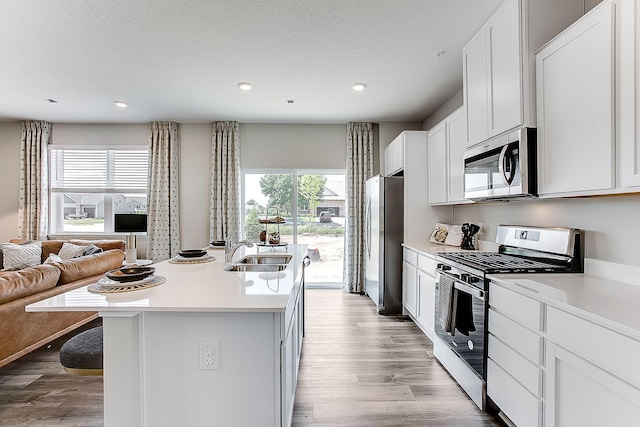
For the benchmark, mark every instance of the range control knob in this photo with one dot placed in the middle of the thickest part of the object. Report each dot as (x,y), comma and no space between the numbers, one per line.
(473,279)
(443,267)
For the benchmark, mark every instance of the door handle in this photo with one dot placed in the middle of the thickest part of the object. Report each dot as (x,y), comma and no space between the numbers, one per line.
(505,156)
(368,220)
(478,293)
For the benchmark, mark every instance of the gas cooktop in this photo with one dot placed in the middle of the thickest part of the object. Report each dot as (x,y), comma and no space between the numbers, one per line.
(493,262)
(525,250)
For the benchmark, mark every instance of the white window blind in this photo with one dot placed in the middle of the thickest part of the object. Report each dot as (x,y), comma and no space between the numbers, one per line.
(101,170)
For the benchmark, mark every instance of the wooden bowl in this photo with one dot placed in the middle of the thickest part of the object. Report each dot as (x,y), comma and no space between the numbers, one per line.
(192,253)
(130,274)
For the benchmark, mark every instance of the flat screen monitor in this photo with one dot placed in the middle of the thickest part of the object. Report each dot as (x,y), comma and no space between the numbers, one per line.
(130,223)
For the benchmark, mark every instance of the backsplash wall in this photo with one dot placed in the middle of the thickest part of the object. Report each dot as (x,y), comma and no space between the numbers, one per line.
(608,223)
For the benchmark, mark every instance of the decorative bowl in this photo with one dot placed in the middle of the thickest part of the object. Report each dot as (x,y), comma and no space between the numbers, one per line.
(192,253)
(218,243)
(130,274)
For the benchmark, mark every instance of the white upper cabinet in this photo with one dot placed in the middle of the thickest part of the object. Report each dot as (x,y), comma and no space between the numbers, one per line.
(587,99)
(447,142)
(408,154)
(575,107)
(394,156)
(437,140)
(457,143)
(628,92)
(499,67)
(474,68)
(505,86)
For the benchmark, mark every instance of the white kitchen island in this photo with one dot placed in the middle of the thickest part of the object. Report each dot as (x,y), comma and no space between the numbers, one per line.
(155,341)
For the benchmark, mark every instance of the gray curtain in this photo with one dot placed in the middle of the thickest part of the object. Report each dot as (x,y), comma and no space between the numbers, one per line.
(33,207)
(163,203)
(225,181)
(359,169)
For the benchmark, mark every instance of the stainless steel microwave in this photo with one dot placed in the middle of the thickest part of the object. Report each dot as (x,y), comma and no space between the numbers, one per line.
(503,167)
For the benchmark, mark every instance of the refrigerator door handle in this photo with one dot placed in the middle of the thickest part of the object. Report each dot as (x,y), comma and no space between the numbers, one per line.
(368,225)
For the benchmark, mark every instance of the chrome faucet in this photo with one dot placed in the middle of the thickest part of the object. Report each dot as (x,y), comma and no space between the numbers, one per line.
(229,250)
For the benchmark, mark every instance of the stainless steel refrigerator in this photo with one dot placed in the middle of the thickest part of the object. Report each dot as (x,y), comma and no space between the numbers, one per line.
(383,242)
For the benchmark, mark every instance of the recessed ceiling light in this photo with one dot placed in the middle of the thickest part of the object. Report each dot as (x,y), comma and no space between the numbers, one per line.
(121,104)
(245,85)
(51,101)
(359,87)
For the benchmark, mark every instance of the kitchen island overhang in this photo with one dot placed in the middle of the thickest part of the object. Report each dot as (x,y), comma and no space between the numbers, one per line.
(153,340)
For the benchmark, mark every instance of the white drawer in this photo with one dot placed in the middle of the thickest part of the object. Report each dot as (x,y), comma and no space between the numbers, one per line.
(601,346)
(523,340)
(426,264)
(523,408)
(525,310)
(525,372)
(410,256)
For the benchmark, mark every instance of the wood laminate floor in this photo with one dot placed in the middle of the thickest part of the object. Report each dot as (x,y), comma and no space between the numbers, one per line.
(362,369)
(357,369)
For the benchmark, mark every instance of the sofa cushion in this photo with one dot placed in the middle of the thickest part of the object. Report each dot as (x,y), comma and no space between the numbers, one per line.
(15,257)
(91,249)
(90,265)
(52,258)
(105,245)
(69,251)
(18,284)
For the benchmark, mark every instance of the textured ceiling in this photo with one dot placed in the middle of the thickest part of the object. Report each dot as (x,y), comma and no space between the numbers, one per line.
(181,60)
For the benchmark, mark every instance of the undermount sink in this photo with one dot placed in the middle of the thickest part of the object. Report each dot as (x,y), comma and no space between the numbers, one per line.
(266,259)
(256,267)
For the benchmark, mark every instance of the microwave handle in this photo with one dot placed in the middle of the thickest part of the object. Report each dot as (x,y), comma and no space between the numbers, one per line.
(505,156)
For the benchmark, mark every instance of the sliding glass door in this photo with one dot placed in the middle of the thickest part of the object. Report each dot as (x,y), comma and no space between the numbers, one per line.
(313,205)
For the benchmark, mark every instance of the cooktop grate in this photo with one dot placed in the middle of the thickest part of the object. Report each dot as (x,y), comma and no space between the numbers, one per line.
(497,262)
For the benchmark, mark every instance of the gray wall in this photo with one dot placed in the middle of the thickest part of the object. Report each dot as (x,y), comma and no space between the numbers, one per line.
(262,145)
(10,135)
(441,113)
(608,222)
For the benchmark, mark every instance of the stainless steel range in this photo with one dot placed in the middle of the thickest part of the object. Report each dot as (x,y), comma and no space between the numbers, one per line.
(462,294)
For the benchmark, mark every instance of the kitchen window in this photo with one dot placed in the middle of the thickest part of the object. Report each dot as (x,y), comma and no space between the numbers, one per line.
(89,185)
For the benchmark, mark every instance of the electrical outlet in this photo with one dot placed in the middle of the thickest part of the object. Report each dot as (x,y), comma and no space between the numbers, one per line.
(208,356)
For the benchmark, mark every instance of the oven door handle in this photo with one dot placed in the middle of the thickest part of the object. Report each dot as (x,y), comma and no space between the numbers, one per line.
(475,292)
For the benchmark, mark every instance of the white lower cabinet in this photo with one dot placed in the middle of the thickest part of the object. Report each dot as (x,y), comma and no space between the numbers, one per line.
(548,367)
(581,394)
(419,287)
(290,351)
(592,374)
(409,287)
(426,301)
(515,348)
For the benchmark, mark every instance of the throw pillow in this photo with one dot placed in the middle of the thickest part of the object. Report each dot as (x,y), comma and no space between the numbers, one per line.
(69,250)
(91,249)
(52,258)
(16,257)
(1,263)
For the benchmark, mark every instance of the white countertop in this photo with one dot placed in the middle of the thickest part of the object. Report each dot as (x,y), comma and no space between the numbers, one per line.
(431,249)
(202,287)
(610,303)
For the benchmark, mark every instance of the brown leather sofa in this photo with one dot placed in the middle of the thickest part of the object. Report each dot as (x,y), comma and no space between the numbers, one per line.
(23,332)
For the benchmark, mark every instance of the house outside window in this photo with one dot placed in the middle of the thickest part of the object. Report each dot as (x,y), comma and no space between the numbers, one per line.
(89,185)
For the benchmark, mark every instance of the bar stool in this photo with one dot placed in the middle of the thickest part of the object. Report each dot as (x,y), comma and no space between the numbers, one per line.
(82,354)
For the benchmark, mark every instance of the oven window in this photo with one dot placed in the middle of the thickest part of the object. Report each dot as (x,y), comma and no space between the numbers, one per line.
(470,348)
